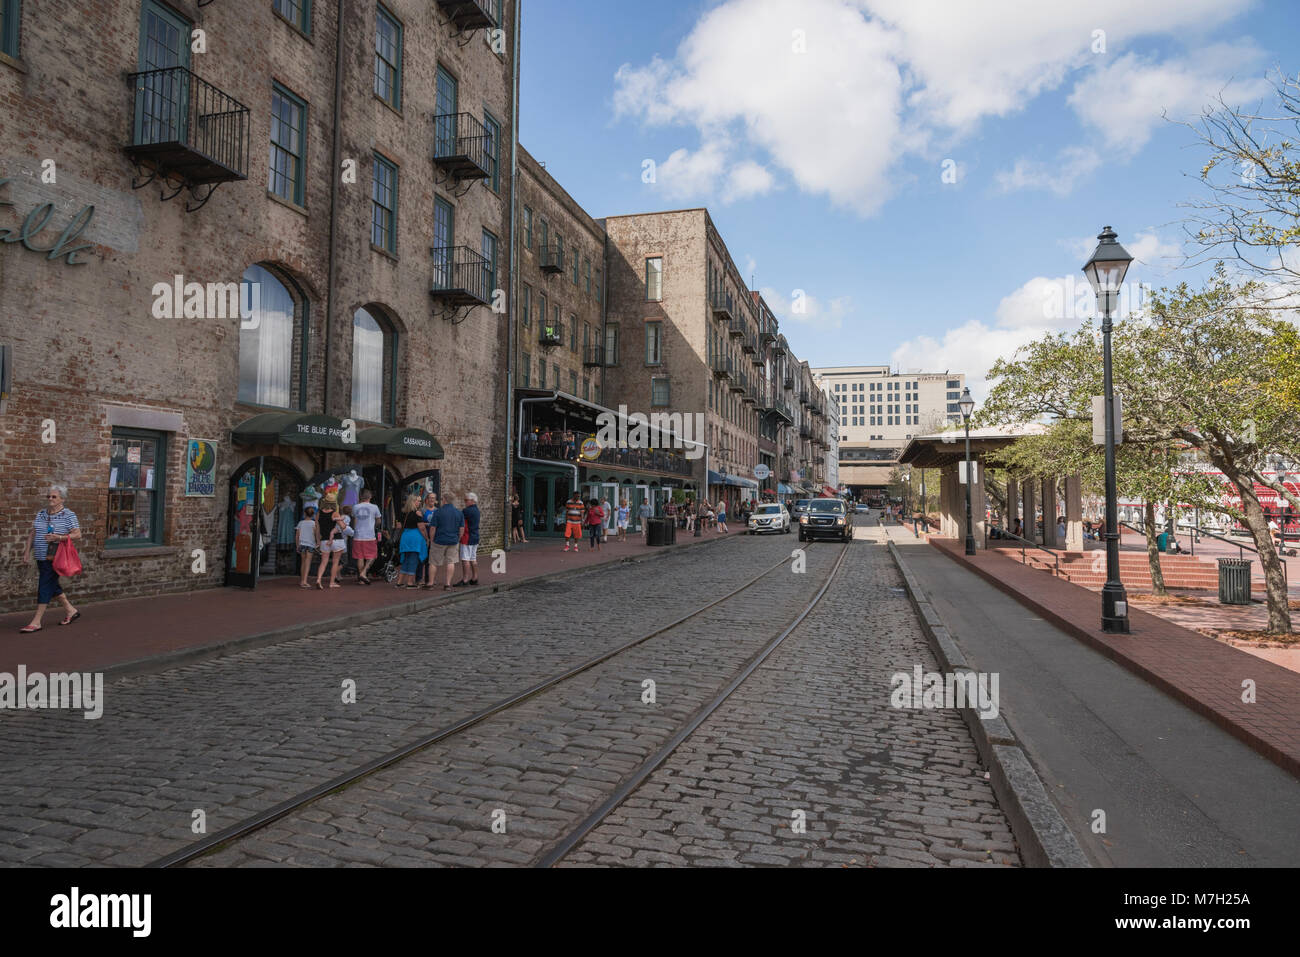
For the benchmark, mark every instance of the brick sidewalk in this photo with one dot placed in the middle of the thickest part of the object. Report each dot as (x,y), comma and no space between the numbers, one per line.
(144,634)
(1204,674)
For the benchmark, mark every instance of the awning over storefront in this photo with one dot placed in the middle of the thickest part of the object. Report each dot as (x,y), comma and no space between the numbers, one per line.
(783,489)
(412,443)
(716,478)
(293,428)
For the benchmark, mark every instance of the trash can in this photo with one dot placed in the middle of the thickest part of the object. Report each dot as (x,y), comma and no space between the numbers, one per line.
(657,531)
(670,532)
(1234,581)
(1162,542)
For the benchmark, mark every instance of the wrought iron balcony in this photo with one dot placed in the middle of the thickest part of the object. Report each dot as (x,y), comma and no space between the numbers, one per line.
(736,328)
(751,392)
(756,357)
(559,446)
(789,383)
(551,333)
(738,381)
(184,128)
(749,344)
(462,146)
(779,349)
(805,432)
(723,305)
(767,335)
(551,258)
(804,398)
(469,14)
(594,355)
(461,277)
(722,366)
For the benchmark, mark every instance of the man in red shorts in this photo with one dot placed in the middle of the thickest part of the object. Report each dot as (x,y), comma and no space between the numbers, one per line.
(574,512)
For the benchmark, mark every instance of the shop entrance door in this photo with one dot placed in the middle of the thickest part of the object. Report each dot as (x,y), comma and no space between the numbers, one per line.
(243,525)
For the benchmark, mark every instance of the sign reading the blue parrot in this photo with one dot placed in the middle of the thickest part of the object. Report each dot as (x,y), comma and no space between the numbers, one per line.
(201,468)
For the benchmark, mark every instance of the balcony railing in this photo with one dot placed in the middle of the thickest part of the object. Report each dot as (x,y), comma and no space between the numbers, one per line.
(461,277)
(551,258)
(804,398)
(736,328)
(756,357)
(805,432)
(789,383)
(738,381)
(594,355)
(780,347)
(469,14)
(551,334)
(185,128)
(723,305)
(749,344)
(722,366)
(557,446)
(462,146)
(767,334)
(751,392)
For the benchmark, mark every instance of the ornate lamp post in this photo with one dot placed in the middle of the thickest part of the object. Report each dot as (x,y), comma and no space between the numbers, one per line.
(967,406)
(1105,271)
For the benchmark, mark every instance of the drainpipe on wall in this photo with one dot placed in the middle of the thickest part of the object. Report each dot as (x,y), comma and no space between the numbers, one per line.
(514,276)
(330,292)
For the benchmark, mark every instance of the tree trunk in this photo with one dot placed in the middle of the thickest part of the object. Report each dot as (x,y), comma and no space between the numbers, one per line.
(1153,550)
(1279,614)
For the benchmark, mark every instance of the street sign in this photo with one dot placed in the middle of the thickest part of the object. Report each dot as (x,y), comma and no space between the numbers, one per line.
(761,471)
(1099,420)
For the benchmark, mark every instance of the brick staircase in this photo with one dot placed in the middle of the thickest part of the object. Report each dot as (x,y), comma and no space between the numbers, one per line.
(1089,569)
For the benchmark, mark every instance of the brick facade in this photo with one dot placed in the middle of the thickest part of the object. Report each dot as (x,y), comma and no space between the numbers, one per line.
(89,352)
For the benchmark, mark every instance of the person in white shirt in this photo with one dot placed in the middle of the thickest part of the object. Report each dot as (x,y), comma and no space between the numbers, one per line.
(365,544)
(306,541)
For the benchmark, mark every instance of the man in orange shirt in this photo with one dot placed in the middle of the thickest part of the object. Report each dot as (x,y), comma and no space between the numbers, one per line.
(574,512)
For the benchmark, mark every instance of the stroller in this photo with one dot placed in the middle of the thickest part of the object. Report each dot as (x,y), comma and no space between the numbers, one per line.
(388,561)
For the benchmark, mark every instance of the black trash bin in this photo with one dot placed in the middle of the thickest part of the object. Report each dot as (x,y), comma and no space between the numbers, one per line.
(1234,581)
(670,532)
(657,531)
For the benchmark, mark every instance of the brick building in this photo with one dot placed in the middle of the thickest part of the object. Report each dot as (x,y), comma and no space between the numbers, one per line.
(288,275)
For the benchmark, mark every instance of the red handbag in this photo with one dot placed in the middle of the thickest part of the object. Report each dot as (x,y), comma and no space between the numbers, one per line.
(67,563)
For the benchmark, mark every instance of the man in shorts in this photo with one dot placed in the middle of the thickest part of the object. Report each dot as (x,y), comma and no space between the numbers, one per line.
(445,547)
(365,544)
(469,543)
(574,513)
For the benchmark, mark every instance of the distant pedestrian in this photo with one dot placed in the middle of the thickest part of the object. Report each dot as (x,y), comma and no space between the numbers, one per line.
(607,514)
(307,542)
(365,545)
(624,514)
(469,542)
(645,511)
(517,531)
(413,547)
(574,512)
(595,524)
(1060,530)
(428,573)
(53,525)
(337,545)
(722,517)
(445,548)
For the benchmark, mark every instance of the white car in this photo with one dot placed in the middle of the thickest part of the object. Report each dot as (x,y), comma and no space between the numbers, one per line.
(769,518)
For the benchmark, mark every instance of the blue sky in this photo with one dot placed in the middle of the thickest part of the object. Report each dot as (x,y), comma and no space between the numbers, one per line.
(818,133)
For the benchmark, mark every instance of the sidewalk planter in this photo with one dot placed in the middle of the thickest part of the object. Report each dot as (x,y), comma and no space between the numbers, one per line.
(1234,581)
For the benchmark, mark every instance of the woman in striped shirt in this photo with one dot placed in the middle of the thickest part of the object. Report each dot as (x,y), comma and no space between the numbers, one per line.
(54,525)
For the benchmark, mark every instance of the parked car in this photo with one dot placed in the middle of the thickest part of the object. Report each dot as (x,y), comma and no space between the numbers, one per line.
(800,507)
(769,518)
(826,518)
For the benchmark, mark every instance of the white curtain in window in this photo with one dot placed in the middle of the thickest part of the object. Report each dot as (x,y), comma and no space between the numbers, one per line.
(265,340)
(367,367)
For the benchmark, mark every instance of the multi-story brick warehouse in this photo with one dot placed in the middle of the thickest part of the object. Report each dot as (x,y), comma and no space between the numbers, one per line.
(187,355)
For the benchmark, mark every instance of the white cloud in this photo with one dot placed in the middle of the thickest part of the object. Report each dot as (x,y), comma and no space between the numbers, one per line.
(835,93)
(685,174)
(747,179)
(800,308)
(971,348)
(1124,99)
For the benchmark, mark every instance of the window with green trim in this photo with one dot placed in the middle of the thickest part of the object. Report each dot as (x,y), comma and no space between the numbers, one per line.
(493,149)
(388,58)
(654,278)
(528,228)
(526,305)
(9,18)
(288,145)
(383,226)
(586,270)
(489,250)
(137,462)
(297,12)
(576,264)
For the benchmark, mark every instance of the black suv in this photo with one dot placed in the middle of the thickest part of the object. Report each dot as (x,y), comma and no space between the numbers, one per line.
(826,518)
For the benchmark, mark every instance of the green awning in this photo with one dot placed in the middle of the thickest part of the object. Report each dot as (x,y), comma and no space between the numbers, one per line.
(412,443)
(293,428)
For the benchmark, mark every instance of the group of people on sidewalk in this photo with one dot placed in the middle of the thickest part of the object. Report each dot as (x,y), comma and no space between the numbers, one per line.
(327,532)
(438,535)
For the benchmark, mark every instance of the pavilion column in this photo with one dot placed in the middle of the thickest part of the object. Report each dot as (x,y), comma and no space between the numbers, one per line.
(1012,510)
(1049,512)
(1074,513)
(1031,504)
(978,503)
(949,513)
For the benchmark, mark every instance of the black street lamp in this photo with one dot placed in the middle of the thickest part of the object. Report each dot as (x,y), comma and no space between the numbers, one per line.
(1105,271)
(967,406)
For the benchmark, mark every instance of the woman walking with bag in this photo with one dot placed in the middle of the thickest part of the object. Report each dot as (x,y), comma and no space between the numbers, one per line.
(54,525)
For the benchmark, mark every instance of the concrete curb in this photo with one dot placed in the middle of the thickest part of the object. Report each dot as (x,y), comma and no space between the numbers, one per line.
(173,659)
(1045,839)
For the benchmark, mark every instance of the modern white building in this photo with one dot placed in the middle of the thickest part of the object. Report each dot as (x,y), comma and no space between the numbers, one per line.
(881,408)
(833,428)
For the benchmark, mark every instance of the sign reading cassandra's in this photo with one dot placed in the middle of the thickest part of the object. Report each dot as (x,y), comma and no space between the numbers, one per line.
(37,220)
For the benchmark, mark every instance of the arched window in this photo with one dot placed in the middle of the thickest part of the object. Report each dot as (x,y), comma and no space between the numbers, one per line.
(266,340)
(373,357)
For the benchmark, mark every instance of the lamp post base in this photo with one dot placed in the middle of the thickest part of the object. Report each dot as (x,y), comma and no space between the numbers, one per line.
(1114,609)
(970,545)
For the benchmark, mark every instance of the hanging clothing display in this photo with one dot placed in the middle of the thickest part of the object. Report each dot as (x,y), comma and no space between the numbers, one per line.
(352,485)
(285,516)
